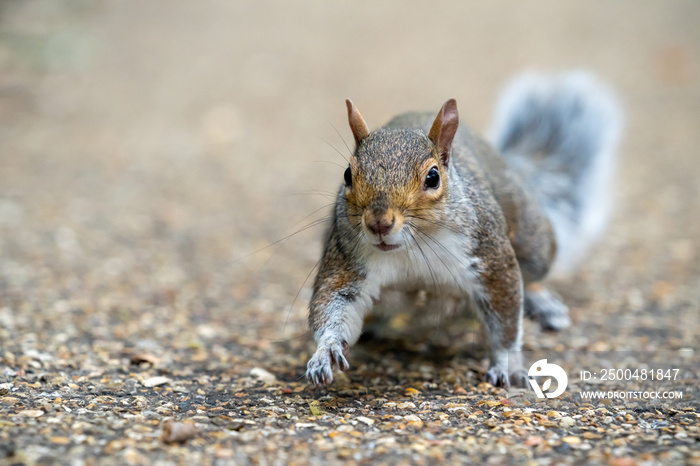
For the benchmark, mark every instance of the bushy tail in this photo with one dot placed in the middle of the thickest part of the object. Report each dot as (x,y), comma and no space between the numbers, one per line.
(559,133)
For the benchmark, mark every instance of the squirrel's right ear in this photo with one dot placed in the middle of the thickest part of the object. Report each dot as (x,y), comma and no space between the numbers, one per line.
(444,129)
(357,123)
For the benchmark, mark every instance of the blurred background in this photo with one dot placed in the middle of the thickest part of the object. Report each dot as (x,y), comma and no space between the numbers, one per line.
(146,146)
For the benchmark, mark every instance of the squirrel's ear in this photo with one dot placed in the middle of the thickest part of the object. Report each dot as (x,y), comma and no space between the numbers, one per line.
(444,128)
(357,124)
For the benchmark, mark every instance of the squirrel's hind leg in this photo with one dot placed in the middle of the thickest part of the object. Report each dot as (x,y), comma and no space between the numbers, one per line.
(546,308)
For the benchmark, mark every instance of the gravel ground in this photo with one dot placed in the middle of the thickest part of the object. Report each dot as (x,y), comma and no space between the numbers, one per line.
(146,149)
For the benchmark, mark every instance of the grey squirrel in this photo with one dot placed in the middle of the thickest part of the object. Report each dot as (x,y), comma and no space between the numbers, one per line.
(426,204)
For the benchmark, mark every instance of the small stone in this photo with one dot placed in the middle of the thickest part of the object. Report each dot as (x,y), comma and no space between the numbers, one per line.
(406,405)
(566,422)
(224,453)
(132,456)
(263,374)
(31,413)
(625,461)
(368,421)
(60,440)
(571,440)
(155,381)
(177,432)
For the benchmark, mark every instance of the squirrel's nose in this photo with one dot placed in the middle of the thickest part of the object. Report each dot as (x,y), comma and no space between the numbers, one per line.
(381,226)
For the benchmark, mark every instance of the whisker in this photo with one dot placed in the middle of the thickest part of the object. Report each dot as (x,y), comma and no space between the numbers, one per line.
(447,267)
(427,263)
(334,148)
(315,211)
(325,194)
(435,240)
(297,337)
(439,314)
(314,223)
(310,225)
(332,163)
(296,296)
(433,222)
(411,212)
(342,139)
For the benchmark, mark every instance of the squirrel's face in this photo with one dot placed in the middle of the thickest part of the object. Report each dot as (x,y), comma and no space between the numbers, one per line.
(395,188)
(396,184)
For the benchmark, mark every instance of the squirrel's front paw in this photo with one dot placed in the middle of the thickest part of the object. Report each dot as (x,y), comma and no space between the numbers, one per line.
(500,378)
(319,370)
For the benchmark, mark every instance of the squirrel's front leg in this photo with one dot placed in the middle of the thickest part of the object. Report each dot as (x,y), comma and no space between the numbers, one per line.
(501,310)
(336,313)
(336,326)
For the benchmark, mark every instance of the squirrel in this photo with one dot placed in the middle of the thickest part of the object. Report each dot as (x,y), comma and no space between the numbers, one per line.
(427,204)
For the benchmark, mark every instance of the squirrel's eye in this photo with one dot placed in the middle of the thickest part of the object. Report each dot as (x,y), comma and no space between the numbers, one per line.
(432,181)
(348,177)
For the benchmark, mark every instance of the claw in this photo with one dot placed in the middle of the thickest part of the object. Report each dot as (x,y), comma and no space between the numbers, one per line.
(339,359)
(500,378)
(497,378)
(343,365)
(319,370)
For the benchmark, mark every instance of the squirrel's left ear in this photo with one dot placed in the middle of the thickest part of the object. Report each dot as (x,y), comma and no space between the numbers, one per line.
(444,128)
(357,123)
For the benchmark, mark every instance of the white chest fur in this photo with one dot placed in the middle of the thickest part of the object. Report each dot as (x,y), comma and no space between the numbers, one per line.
(440,263)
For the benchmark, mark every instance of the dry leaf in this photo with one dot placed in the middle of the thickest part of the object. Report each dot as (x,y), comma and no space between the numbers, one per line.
(412,392)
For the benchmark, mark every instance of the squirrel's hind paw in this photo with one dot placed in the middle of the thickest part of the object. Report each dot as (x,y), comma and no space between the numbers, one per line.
(546,308)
